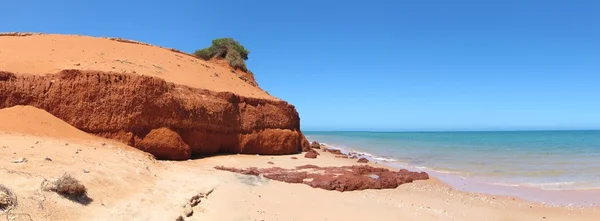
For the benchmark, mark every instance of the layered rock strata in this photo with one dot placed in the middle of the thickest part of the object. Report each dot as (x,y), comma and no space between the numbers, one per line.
(168,120)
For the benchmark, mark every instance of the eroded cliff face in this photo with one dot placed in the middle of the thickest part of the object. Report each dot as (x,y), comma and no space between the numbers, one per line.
(168,120)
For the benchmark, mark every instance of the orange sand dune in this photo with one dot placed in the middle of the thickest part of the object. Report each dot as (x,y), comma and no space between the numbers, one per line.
(38,122)
(51,53)
(124,90)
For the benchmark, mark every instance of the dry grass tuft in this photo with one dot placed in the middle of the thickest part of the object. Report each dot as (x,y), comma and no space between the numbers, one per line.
(7,198)
(70,187)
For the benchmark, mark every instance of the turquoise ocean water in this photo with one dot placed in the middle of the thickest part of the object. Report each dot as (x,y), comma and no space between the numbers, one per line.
(546,160)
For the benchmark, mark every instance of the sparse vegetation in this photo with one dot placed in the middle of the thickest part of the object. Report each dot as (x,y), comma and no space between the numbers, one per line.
(229,49)
(7,198)
(69,187)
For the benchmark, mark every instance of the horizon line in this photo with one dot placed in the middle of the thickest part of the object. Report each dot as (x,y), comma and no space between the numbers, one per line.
(446,131)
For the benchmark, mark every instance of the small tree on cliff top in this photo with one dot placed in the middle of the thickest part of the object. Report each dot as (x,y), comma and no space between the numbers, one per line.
(227,48)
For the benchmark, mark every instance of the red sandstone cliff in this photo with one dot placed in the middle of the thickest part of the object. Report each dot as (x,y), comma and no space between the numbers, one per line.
(161,113)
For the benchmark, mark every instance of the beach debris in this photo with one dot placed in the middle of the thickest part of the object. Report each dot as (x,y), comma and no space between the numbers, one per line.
(86,171)
(209,192)
(362,160)
(47,159)
(20,160)
(315,145)
(345,178)
(195,200)
(68,187)
(7,198)
(342,156)
(187,210)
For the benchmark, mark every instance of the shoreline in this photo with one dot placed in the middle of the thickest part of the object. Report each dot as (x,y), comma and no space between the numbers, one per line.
(127,184)
(558,197)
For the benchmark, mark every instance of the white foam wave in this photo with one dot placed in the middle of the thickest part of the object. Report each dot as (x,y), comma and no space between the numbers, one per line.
(505,184)
(551,186)
(384,159)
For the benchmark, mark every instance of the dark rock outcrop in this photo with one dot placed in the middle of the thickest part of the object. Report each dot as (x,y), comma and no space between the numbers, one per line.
(128,108)
(347,178)
(362,160)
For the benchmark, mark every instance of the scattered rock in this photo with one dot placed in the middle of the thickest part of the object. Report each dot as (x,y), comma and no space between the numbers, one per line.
(20,160)
(315,145)
(47,159)
(312,154)
(179,218)
(86,171)
(362,160)
(346,178)
(333,151)
(294,158)
(187,210)
(342,156)
(195,200)
(103,144)
(270,162)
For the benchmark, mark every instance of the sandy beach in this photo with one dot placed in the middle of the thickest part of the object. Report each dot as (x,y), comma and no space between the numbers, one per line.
(127,184)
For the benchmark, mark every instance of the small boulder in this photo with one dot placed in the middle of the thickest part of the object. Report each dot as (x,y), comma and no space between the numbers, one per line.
(315,145)
(311,154)
(294,158)
(363,160)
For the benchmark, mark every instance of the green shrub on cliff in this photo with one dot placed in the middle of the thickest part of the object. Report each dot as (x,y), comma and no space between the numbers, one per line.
(227,48)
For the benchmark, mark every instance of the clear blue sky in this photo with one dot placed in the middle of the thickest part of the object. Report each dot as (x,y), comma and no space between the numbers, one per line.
(378,65)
